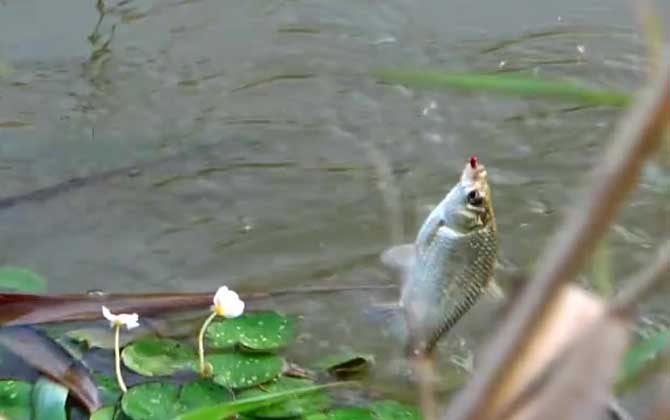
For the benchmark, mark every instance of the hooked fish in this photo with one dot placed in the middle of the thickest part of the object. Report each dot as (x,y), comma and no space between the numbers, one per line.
(450,265)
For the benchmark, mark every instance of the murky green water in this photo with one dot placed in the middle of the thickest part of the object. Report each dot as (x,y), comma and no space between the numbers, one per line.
(285,143)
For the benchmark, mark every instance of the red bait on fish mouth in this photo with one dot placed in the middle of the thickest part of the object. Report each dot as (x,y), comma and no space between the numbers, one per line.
(450,265)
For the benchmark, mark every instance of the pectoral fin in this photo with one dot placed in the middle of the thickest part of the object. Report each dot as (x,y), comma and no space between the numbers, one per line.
(400,257)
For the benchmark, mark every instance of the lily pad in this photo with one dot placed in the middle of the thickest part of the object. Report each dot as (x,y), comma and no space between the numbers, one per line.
(346,364)
(49,400)
(21,280)
(158,401)
(203,393)
(250,404)
(158,356)
(301,405)
(242,370)
(15,400)
(152,401)
(266,331)
(393,410)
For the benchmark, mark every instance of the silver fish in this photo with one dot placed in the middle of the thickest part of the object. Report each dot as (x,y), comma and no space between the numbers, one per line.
(451,262)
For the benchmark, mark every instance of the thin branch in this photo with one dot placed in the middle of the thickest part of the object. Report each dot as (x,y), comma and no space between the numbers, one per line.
(637,137)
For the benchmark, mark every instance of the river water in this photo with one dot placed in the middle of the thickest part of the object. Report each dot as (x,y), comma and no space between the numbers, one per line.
(258,150)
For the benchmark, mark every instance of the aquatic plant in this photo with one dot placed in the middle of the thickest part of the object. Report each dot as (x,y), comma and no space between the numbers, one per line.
(227,304)
(129,321)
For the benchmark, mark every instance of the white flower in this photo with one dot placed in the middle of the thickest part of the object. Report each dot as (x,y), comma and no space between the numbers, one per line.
(227,303)
(129,320)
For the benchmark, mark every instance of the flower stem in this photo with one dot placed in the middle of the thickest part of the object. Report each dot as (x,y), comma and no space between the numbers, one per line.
(117,359)
(201,343)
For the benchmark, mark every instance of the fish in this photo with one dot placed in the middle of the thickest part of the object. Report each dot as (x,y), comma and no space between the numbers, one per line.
(450,264)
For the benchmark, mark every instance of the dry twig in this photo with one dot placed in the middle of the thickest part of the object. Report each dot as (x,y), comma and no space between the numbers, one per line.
(637,137)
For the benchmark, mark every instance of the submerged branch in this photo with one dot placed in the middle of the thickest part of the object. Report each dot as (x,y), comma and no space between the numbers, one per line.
(637,137)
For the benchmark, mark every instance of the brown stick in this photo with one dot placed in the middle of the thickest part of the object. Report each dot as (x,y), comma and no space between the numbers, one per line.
(637,137)
(21,309)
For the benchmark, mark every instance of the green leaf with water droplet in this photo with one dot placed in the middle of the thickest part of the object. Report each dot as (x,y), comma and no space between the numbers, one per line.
(19,279)
(346,364)
(243,370)
(203,393)
(152,401)
(15,400)
(300,405)
(266,331)
(158,356)
(393,410)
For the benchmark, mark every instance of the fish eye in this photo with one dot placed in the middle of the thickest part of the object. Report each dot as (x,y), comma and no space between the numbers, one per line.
(474,198)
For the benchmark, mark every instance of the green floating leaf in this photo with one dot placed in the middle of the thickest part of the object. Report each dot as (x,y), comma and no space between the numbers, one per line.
(158,356)
(506,84)
(350,413)
(641,357)
(393,410)
(242,370)
(152,401)
(265,331)
(244,405)
(105,413)
(21,280)
(203,393)
(49,400)
(298,406)
(15,400)
(346,364)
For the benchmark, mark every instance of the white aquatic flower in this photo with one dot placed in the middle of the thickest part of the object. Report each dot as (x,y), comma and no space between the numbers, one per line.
(129,320)
(227,303)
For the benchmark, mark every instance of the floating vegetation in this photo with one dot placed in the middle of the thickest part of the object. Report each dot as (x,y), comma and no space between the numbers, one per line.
(503,84)
(158,356)
(244,372)
(268,331)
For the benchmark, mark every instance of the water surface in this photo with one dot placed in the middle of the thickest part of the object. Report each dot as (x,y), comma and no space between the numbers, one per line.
(261,153)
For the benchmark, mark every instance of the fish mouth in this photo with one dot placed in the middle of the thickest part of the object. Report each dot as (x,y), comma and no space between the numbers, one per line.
(474,175)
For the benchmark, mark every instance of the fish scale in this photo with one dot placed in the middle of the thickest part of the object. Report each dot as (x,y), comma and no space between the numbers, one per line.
(450,264)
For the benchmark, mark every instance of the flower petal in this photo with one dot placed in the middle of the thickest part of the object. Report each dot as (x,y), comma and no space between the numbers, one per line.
(234,309)
(227,303)
(129,320)
(108,314)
